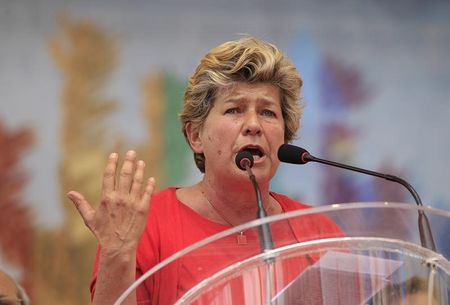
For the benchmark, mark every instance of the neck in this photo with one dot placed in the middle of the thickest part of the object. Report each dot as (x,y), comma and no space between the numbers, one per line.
(235,203)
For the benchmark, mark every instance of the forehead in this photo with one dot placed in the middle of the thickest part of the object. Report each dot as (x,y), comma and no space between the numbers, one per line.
(242,92)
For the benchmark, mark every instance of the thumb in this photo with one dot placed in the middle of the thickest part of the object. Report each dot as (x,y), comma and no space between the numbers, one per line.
(83,206)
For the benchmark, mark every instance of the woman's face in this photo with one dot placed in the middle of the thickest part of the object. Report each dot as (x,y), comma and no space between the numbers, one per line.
(244,116)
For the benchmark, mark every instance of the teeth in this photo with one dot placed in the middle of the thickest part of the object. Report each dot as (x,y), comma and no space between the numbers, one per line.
(257,154)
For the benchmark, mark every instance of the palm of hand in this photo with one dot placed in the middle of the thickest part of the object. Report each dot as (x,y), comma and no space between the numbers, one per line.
(120,219)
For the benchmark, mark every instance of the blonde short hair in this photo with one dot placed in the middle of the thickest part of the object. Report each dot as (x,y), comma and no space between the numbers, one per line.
(245,60)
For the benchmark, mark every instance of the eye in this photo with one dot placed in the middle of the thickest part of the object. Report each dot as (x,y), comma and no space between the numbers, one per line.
(268,113)
(234,110)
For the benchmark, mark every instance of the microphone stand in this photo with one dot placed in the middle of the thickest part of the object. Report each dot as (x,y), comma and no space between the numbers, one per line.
(426,236)
(244,161)
(265,235)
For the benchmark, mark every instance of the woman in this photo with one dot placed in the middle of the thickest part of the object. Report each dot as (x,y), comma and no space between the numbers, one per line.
(244,95)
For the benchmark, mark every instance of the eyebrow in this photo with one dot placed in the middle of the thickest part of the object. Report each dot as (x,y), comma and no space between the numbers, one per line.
(240,100)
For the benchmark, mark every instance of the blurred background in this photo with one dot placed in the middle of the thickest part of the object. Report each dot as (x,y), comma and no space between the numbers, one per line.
(80,79)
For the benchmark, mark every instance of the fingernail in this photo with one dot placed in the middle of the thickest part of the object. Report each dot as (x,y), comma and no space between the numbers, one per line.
(141,163)
(131,153)
(113,155)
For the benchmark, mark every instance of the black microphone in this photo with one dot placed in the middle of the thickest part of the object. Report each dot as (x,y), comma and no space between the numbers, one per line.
(296,155)
(244,160)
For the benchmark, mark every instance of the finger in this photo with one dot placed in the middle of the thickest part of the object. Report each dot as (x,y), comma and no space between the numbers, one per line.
(138,179)
(149,188)
(126,172)
(84,208)
(110,173)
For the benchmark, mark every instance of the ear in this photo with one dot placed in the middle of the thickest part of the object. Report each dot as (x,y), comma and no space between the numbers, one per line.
(193,134)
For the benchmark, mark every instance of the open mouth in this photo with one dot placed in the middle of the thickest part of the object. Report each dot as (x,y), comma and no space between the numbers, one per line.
(256,152)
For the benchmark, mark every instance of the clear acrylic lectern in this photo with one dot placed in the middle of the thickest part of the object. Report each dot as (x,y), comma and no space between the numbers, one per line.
(377,259)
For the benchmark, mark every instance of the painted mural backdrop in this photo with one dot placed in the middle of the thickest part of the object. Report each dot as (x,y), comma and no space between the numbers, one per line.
(80,80)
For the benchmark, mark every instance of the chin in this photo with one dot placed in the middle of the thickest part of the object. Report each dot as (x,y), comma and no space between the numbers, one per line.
(261,173)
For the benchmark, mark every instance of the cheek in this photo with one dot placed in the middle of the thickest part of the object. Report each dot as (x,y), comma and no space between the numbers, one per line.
(222,132)
(220,140)
(276,134)
(215,142)
(215,150)
(220,135)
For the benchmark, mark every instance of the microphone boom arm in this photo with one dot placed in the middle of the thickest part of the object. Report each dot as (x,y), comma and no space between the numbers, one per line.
(425,232)
(393,178)
(288,153)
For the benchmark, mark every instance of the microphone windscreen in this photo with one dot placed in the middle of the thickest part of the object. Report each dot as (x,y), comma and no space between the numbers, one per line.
(292,154)
(242,157)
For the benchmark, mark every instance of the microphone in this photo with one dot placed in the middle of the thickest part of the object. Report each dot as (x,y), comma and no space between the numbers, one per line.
(244,161)
(293,154)
(296,155)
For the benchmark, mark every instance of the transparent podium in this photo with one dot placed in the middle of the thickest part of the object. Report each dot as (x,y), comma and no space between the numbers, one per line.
(343,254)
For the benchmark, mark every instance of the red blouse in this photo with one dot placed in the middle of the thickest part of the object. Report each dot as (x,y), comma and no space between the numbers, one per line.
(172,226)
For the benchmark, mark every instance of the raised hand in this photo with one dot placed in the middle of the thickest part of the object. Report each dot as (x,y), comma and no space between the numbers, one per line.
(119,220)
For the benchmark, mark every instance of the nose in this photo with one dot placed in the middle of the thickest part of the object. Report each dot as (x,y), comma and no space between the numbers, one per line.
(252,125)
